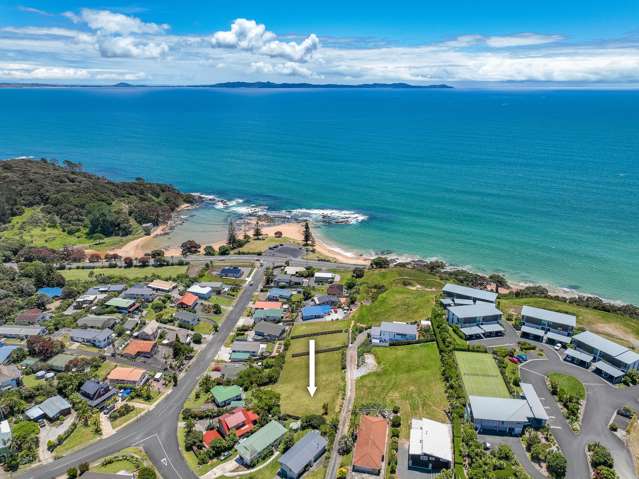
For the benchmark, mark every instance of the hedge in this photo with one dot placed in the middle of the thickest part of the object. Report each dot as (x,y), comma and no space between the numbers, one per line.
(325,350)
(319,333)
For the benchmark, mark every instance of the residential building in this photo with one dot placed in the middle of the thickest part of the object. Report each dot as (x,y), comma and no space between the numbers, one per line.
(186,319)
(476,320)
(60,361)
(260,443)
(275,315)
(100,338)
(162,286)
(611,360)
(315,312)
(95,393)
(545,324)
(150,331)
(139,292)
(335,289)
(267,305)
(122,305)
(5,353)
(202,292)
(369,454)
(232,370)
(287,281)
(140,347)
(431,445)
(209,436)
(301,457)
(31,317)
(507,415)
(457,291)
(323,277)
(253,349)
(231,272)
(131,324)
(188,301)
(9,377)
(294,270)
(98,322)
(125,376)
(52,408)
(85,300)
(225,395)
(5,439)
(326,299)
(269,331)
(276,294)
(21,332)
(388,333)
(216,286)
(106,289)
(51,292)
(448,302)
(241,421)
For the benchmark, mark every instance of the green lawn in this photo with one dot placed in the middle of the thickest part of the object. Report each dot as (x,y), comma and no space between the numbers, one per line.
(295,399)
(222,300)
(259,246)
(570,384)
(397,304)
(321,342)
(613,326)
(129,273)
(203,327)
(127,417)
(407,376)
(316,327)
(124,465)
(393,277)
(105,368)
(79,438)
(481,375)
(267,472)
(31,381)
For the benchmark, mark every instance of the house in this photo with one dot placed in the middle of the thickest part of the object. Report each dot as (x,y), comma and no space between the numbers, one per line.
(323,277)
(122,305)
(139,347)
(326,299)
(85,300)
(106,289)
(457,291)
(448,302)
(388,333)
(335,289)
(287,281)
(241,421)
(130,324)
(31,317)
(188,301)
(556,327)
(21,332)
(150,331)
(162,286)
(269,331)
(139,292)
(5,353)
(431,445)
(301,457)
(577,357)
(52,293)
(60,361)
(100,338)
(225,395)
(232,370)
(171,335)
(507,415)
(275,315)
(52,408)
(275,294)
(97,322)
(5,439)
(476,320)
(187,319)
(294,270)
(370,447)
(95,393)
(209,436)
(261,443)
(216,286)
(202,292)
(231,272)
(9,377)
(253,349)
(122,375)
(267,305)
(611,360)
(315,312)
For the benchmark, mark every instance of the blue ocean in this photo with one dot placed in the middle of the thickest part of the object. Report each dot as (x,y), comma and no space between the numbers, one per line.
(542,186)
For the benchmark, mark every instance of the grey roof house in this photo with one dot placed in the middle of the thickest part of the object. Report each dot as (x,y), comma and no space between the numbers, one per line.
(464,292)
(95,393)
(100,338)
(51,408)
(9,377)
(611,360)
(393,332)
(269,331)
(304,453)
(186,318)
(97,322)
(139,292)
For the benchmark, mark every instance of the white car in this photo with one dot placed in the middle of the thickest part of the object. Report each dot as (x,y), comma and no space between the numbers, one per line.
(558,347)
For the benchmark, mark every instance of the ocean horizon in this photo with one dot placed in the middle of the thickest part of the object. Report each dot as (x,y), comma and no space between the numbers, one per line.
(538,185)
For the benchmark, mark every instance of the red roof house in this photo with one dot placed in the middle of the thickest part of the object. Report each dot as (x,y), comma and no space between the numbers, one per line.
(188,301)
(368,455)
(209,436)
(240,420)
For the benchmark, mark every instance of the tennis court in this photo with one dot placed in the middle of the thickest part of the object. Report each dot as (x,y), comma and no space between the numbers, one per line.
(481,375)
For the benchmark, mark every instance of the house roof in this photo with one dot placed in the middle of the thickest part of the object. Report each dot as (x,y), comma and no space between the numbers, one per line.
(188,299)
(558,337)
(106,288)
(59,361)
(268,313)
(122,373)
(21,330)
(472,330)
(31,316)
(200,290)
(9,372)
(5,352)
(226,393)
(186,316)
(491,327)
(120,303)
(534,402)
(279,293)
(91,334)
(500,409)
(130,324)
(161,285)
(303,452)
(550,316)
(53,292)
(479,309)
(629,357)
(258,442)
(399,328)
(432,438)
(479,294)
(291,270)
(209,436)
(240,419)
(137,346)
(5,434)
(231,370)
(608,369)
(602,344)
(533,331)
(324,275)
(246,346)
(319,310)
(269,329)
(150,328)
(139,290)
(573,353)
(100,322)
(232,271)
(267,305)
(54,406)
(326,299)
(371,442)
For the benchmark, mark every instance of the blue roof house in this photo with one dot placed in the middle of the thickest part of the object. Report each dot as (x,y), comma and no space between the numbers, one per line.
(275,294)
(52,293)
(315,312)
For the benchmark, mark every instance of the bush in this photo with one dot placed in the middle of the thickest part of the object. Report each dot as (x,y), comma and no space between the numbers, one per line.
(600,456)
(396,421)
(147,473)
(556,463)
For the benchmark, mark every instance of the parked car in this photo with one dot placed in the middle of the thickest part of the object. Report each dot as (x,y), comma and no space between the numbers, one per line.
(513,360)
(522,357)
(558,347)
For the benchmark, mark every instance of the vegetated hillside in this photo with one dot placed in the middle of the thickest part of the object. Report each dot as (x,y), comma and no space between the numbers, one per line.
(74,200)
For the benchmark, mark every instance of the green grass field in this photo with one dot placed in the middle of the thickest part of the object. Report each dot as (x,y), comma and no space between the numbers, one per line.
(570,384)
(394,277)
(203,327)
(318,326)
(105,368)
(123,465)
(480,375)
(259,246)
(407,376)
(396,304)
(324,341)
(79,438)
(613,326)
(127,417)
(128,273)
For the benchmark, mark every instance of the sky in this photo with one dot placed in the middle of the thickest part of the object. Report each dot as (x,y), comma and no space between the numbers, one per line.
(569,42)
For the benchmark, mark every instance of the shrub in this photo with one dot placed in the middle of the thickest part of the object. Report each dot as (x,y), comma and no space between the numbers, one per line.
(556,463)
(147,473)
(396,421)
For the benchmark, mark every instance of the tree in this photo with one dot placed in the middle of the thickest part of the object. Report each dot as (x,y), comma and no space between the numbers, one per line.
(190,247)
(72,473)
(146,473)
(209,250)
(224,250)
(84,467)
(157,253)
(105,220)
(231,237)
(308,235)
(380,262)
(312,421)
(556,464)
(128,262)
(287,442)
(257,231)
(600,456)
(603,472)
(344,445)
(197,338)
(358,273)
(266,403)
(44,347)
(144,260)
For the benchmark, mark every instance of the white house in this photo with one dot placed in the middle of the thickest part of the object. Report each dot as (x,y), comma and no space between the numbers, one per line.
(388,333)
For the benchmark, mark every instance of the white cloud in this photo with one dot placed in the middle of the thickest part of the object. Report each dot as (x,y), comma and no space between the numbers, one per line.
(105,21)
(50,31)
(44,73)
(248,35)
(130,47)
(521,39)
(288,69)
(37,11)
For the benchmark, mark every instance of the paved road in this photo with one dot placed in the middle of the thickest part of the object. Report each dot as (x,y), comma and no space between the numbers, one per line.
(156,431)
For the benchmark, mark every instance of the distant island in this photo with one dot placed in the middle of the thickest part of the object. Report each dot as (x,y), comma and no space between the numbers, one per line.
(241,84)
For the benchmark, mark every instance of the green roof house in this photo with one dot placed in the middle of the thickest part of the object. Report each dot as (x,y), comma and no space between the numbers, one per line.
(261,443)
(224,395)
(59,361)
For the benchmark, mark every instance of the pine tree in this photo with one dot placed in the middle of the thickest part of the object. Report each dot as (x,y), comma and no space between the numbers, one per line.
(231,239)
(257,232)
(308,236)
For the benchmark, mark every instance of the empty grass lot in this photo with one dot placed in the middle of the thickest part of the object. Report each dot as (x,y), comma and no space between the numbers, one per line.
(128,273)
(480,375)
(399,277)
(569,384)
(321,342)
(397,304)
(80,437)
(318,326)
(407,376)
(124,464)
(127,417)
(616,327)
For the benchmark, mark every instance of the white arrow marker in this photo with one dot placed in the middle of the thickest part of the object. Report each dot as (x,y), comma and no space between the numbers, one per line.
(311,367)
(164,461)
